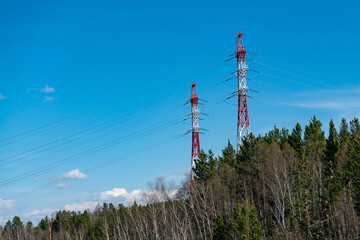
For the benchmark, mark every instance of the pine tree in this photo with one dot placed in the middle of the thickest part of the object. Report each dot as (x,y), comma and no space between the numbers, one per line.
(295,141)
(344,134)
(354,157)
(219,232)
(247,150)
(240,224)
(256,231)
(330,165)
(201,167)
(314,139)
(228,155)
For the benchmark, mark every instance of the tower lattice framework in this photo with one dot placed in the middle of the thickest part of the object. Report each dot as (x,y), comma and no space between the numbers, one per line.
(243,123)
(195,150)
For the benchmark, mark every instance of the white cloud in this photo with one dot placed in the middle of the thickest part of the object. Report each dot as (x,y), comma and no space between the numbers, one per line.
(6,205)
(39,213)
(116,192)
(116,195)
(62,185)
(73,174)
(47,89)
(2,97)
(81,206)
(7,208)
(122,196)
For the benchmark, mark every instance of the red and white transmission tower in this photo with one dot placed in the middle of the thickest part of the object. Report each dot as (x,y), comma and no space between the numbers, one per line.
(243,125)
(195,150)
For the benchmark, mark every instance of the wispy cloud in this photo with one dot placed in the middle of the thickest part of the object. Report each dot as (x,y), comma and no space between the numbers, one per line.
(62,185)
(327,104)
(31,89)
(2,97)
(73,174)
(39,213)
(48,99)
(47,89)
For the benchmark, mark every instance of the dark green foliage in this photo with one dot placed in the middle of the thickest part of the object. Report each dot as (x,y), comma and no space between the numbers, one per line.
(246,224)
(220,229)
(344,134)
(29,225)
(330,164)
(247,150)
(314,140)
(44,223)
(228,155)
(277,135)
(295,140)
(354,158)
(205,166)
(255,225)
(240,222)
(16,223)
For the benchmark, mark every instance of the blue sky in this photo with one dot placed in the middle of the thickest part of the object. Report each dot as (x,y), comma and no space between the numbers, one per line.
(119,72)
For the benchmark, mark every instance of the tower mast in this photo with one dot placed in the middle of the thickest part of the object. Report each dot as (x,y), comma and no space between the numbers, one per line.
(195,150)
(243,125)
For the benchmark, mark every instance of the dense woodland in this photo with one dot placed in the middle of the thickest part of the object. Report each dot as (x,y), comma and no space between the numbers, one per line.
(296,184)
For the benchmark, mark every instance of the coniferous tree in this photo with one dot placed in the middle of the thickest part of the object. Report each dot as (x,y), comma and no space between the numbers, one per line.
(295,140)
(228,155)
(219,230)
(330,165)
(205,166)
(314,140)
(354,155)
(256,231)
(240,222)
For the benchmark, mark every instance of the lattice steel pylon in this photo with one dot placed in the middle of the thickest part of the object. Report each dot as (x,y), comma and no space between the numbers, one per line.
(243,123)
(195,150)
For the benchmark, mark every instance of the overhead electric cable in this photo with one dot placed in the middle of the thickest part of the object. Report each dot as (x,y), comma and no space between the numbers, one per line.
(217,62)
(101,147)
(293,74)
(284,79)
(299,68)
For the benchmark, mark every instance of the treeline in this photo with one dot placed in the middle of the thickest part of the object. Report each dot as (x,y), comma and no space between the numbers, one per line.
(284,185)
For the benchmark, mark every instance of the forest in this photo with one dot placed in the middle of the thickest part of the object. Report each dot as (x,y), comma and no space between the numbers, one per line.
(287,184)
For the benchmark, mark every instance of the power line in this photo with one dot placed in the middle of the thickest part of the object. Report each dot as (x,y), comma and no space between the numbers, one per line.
(293,74)
(126,117)
(93,150)
(299,68)
(115,120)
(99,166)
(271,85)
(284,79)
(216,62)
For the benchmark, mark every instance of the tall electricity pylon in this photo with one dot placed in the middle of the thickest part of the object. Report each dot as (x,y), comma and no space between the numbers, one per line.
(243,124)
(195,150)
